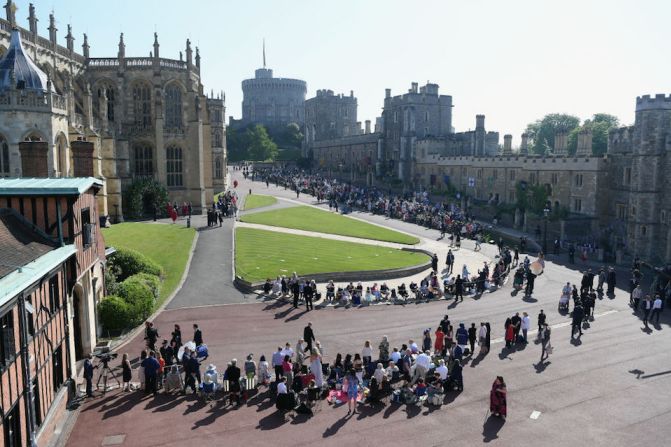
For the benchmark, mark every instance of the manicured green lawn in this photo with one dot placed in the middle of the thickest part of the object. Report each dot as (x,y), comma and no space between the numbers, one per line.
(261,254)
(312,219)
(168,245)
(258,200)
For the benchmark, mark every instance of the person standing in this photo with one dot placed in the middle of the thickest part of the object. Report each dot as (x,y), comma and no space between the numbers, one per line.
(276,361)
(150,334)
(458,289)
(602,280)
(611,278)
(352,391)
(296,291)
(498,398)
(636,295)
(647,309)
(525,325)
(472,337)
(656,309)
(127,373)
(449,261)
(434,262)
(517,325)
(197,335)
(308,293)
(151,367)
(88,375)
(308,336)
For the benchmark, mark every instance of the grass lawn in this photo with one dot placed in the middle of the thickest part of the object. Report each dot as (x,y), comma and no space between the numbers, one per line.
(261,254)
(258,200)
(311,219)
(167,245)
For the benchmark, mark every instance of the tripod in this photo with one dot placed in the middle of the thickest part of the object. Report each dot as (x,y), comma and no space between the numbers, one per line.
(104,372)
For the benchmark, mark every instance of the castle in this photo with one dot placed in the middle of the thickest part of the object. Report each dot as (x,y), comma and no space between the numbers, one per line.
(120,119)
(621,196)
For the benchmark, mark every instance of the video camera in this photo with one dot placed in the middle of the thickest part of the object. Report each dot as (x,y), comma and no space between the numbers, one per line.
(105,357)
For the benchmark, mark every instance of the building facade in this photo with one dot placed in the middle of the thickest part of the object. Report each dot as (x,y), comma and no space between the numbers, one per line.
(141,117)
(273,102)
(329,117)
(52,257)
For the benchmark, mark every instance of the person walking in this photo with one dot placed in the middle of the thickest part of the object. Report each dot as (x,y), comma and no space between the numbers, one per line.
(525,325)
(472,337)
(541,319)
(308,336)
(546,348)
(458,289)
(498,398)
(578,315)
(197,335)
(352,384)
(516,320)
(449,261)
(636,295)
(647,309)
(434,262)
(611,279)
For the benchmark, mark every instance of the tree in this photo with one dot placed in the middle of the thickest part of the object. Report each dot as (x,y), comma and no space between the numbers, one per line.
(600,124)
(259,145)
(542,132)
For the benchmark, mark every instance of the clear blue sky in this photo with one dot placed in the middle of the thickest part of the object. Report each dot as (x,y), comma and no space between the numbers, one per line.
(513,60)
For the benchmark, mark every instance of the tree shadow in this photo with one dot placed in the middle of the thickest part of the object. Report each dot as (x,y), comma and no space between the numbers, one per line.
(333,429)
(491,428)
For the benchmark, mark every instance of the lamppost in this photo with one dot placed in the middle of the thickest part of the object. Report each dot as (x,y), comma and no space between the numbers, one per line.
(546,213)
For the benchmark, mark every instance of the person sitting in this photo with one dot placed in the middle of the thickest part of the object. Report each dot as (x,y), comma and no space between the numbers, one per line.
(286,400)
(330,291)
(384,291)
(267,287)
(435,386)
(402,291)
(392,371)
(356,298)
(456,376)
(375,291)
(420,388)
(441,370)
(413,288)
(369,297)
(345,297)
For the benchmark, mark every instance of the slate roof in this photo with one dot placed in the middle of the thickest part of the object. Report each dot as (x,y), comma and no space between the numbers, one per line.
(17,63)
(19,243)
(65,186)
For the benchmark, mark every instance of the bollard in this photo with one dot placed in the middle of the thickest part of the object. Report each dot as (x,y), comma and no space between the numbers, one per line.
(188,222)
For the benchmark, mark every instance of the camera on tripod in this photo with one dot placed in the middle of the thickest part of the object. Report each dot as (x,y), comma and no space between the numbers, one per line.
(105,357)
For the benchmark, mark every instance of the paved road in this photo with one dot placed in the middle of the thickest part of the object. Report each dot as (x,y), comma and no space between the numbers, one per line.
(612,388)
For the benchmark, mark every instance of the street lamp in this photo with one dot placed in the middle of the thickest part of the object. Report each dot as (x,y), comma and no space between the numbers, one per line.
(546,213)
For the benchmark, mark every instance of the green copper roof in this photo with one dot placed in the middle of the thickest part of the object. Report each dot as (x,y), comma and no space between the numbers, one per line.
(20,279)
(66,186)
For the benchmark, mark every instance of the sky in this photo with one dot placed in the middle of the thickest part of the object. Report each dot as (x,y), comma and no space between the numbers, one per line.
(511,60)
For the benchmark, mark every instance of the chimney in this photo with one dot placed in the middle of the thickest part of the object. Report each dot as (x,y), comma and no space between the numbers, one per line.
(367,126)
(351,93)
(358,127)
(507,144)
(584,143)
(561,143)
(524,145)
(34,158)
(387,93)
(414,87)
(82,155)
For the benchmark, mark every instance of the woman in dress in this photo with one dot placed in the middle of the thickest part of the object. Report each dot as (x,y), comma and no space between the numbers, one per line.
(498,398)
(367,353)
(316,367)
(127,372)
(357,364)
(510,333)
(140,370)
(264,370)
(440,341)
(352,391)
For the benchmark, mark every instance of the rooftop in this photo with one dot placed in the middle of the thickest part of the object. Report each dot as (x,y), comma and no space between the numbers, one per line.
(18,70)
(67,186)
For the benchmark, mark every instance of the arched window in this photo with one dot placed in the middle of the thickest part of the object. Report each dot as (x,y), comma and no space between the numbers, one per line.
(142,106)
(143,160)
(218,168)
(4,157)
(173,107)
(174,166)
(217,139)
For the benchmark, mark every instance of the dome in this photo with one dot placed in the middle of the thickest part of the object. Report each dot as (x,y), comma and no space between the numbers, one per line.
(26,74)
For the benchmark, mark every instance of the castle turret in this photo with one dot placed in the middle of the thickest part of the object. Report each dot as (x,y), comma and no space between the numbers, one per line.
(122,48)
(479,135)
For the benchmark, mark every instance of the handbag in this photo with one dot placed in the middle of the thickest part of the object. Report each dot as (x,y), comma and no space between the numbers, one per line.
(548,349)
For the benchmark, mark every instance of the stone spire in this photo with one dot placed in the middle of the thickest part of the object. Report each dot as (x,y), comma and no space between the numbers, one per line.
(122,48)
(85,46)
(10,8)
(32,20)
(198,59)
(189,53)
(264,52)
(156,45)
(70,39)
(52,28)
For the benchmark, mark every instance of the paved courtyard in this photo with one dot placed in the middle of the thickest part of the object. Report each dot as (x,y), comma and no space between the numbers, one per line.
(612,388)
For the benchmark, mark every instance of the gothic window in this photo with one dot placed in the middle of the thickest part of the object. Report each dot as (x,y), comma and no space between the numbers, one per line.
(105,90)
(173,107)
(143,160)
(218,168)
(174,168)
(4,157)
(142,105)
(218,142)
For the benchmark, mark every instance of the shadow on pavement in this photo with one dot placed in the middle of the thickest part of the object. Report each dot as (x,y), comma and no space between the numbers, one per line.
(333,429)
(274,420)
(491,428)
(540,366)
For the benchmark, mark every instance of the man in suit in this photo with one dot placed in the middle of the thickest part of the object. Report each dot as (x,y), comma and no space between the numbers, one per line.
(295,289)
(308,293)
(197,335)
(308,336)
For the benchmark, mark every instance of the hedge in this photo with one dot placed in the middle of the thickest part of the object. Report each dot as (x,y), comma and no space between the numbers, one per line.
(151,281)
(139,297)
(114,313)
(130,262)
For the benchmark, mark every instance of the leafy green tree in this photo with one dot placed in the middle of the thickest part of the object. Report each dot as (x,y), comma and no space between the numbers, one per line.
(600,124)
(259,145)
(542,132)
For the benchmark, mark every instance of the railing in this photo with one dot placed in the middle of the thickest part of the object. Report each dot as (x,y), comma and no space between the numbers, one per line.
(139,62)
(171,63)
(103,62)
(31,101)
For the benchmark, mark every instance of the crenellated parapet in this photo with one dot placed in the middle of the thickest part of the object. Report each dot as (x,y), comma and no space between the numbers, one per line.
(658,102)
